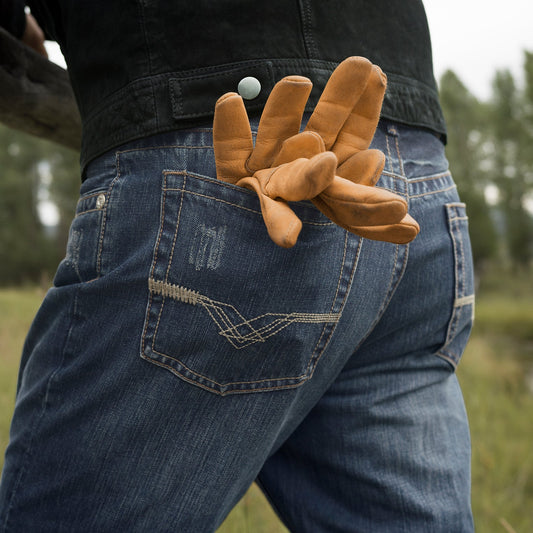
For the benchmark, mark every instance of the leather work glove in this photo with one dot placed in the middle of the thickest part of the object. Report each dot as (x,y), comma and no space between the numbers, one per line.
(285,165)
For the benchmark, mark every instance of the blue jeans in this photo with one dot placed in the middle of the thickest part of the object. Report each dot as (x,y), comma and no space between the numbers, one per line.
(181,355)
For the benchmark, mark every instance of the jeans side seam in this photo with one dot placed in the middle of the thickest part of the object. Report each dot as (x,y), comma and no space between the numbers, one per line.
(465,300)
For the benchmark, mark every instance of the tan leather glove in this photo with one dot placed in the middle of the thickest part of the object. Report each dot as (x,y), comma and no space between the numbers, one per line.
(344,120)
(239,162)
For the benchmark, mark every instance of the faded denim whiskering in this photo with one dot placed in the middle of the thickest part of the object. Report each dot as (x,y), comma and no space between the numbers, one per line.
(181,355)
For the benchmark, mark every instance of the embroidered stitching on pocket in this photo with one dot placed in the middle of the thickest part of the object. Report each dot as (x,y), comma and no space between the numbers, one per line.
(238,330)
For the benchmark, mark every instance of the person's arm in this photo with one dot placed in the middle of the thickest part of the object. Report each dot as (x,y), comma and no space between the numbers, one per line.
(22,25)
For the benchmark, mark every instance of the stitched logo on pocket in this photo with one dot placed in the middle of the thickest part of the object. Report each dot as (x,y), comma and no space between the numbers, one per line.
(208,253)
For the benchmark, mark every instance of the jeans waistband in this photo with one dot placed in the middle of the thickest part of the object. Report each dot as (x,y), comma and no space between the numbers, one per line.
(415,157)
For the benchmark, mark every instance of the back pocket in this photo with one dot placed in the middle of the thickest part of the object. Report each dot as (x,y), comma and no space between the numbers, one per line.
(462,316)
(228,310)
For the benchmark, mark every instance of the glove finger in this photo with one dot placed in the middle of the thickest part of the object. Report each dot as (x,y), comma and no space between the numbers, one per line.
(232,138)
(280,120)
(306,144)
(363,167)
(401,233)
(350,204)
(301,179)
(339,97)
(282,224)
(358,130)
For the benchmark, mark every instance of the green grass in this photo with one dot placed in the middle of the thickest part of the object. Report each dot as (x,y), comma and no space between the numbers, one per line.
(494,373)
(17,309)
(500,409)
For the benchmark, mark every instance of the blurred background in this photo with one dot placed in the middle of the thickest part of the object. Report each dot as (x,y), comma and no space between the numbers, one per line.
(483,58)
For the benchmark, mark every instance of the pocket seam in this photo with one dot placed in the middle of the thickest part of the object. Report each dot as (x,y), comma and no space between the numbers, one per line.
(462,297)
(204,381)
(108,193)
(92,209)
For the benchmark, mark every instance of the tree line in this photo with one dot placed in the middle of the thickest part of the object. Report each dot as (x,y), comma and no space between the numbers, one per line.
(490,150)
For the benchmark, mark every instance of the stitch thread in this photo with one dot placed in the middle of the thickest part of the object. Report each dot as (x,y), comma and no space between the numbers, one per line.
(460,299)
(232,325)
(451,188)
(465,300)
(177,227)
(176,292)
(400,160)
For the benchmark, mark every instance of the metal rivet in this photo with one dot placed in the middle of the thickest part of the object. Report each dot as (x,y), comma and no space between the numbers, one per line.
(100,201)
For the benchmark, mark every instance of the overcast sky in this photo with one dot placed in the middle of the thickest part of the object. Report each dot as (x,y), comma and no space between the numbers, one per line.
(472,37)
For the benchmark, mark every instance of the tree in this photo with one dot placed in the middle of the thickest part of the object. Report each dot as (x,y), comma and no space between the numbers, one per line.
(23,246)
(35,95)
(35,98)
(466,121)
(513,163)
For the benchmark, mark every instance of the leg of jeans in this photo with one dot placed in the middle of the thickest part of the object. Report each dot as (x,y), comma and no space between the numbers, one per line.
(176,349)
(179,347)
(387,449)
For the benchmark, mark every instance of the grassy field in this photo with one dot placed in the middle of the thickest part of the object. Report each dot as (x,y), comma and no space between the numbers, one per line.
(497,378)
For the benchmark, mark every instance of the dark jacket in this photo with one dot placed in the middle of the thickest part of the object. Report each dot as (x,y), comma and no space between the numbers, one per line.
(139,67)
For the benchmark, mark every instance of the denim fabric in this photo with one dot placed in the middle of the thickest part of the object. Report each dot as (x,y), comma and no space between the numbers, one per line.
(180,355)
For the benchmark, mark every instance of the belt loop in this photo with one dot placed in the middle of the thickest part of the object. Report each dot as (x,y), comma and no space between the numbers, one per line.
(391,130)
(394,156)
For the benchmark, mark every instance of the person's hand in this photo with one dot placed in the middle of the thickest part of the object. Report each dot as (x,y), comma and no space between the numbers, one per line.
(344,121)
(33,35)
